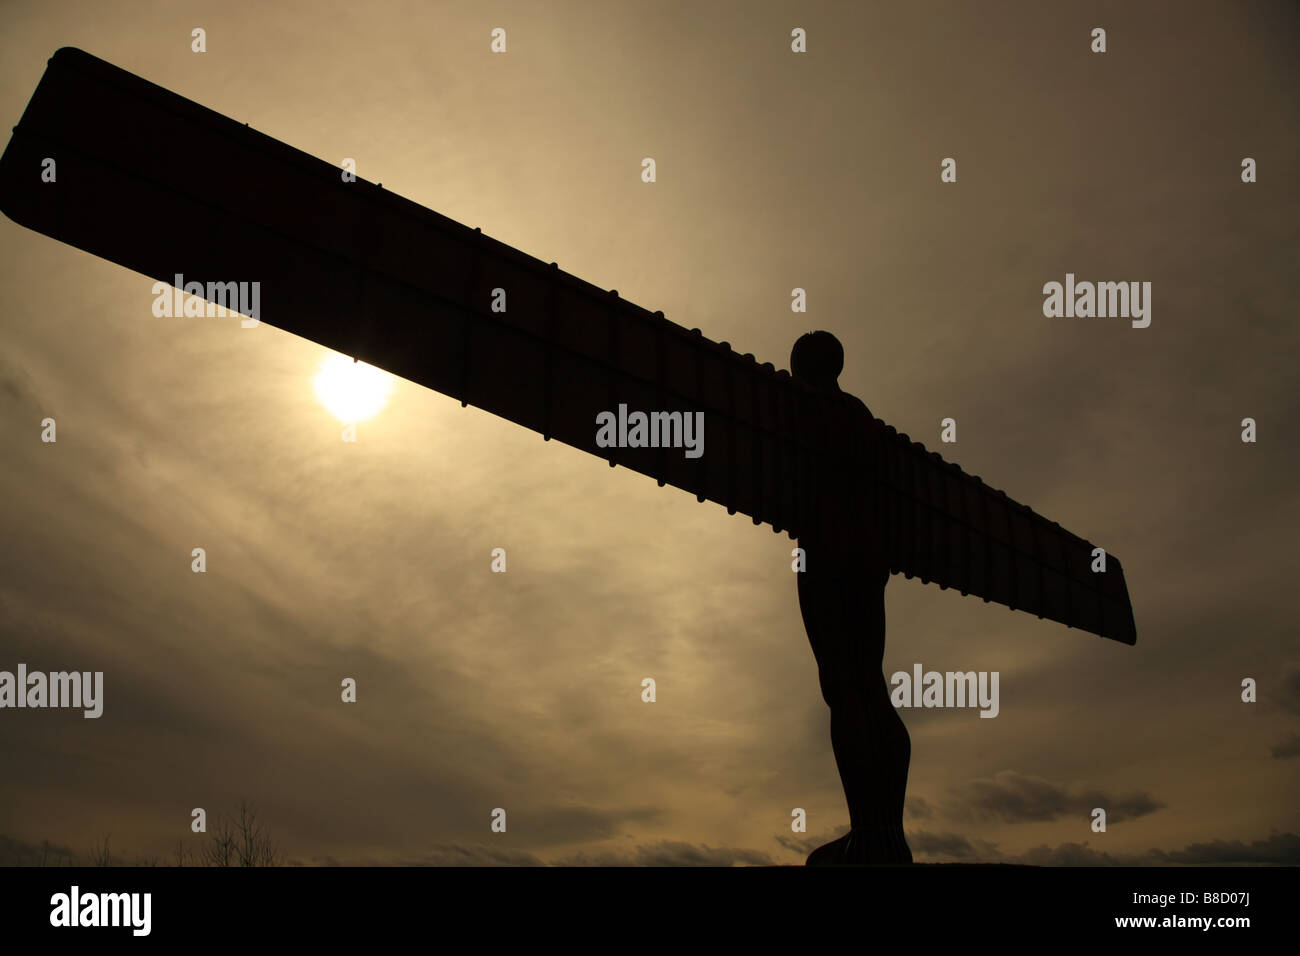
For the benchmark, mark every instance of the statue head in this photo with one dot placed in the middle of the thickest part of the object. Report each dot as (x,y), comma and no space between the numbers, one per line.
(817,358)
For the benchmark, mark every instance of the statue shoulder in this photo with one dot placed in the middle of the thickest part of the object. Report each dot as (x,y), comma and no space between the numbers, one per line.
(857,405)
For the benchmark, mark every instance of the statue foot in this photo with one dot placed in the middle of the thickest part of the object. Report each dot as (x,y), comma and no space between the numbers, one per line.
(829,854)
(863,847)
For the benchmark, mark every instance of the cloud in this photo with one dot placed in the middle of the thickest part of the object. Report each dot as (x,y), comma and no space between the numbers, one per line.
(445,854)
(1288,695)
(1070,854)
(950,846)
(670,853)
(1289,747)
(551,826)
(1281,849)
(663,853)
(14,852)
(804,845)
(918,808)
(17,388)
(1013,797)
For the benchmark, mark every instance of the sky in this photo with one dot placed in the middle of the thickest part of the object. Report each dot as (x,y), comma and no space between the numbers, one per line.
(775,170)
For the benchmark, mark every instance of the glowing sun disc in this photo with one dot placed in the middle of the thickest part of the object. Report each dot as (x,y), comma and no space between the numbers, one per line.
(352,391)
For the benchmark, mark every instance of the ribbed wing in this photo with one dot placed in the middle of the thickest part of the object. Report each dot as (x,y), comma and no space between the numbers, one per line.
(164,186)
(948,527)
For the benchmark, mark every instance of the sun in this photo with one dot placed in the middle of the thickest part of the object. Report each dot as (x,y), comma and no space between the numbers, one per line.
(352,391)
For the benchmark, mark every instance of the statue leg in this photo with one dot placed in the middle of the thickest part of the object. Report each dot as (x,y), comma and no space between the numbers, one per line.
(845,620)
